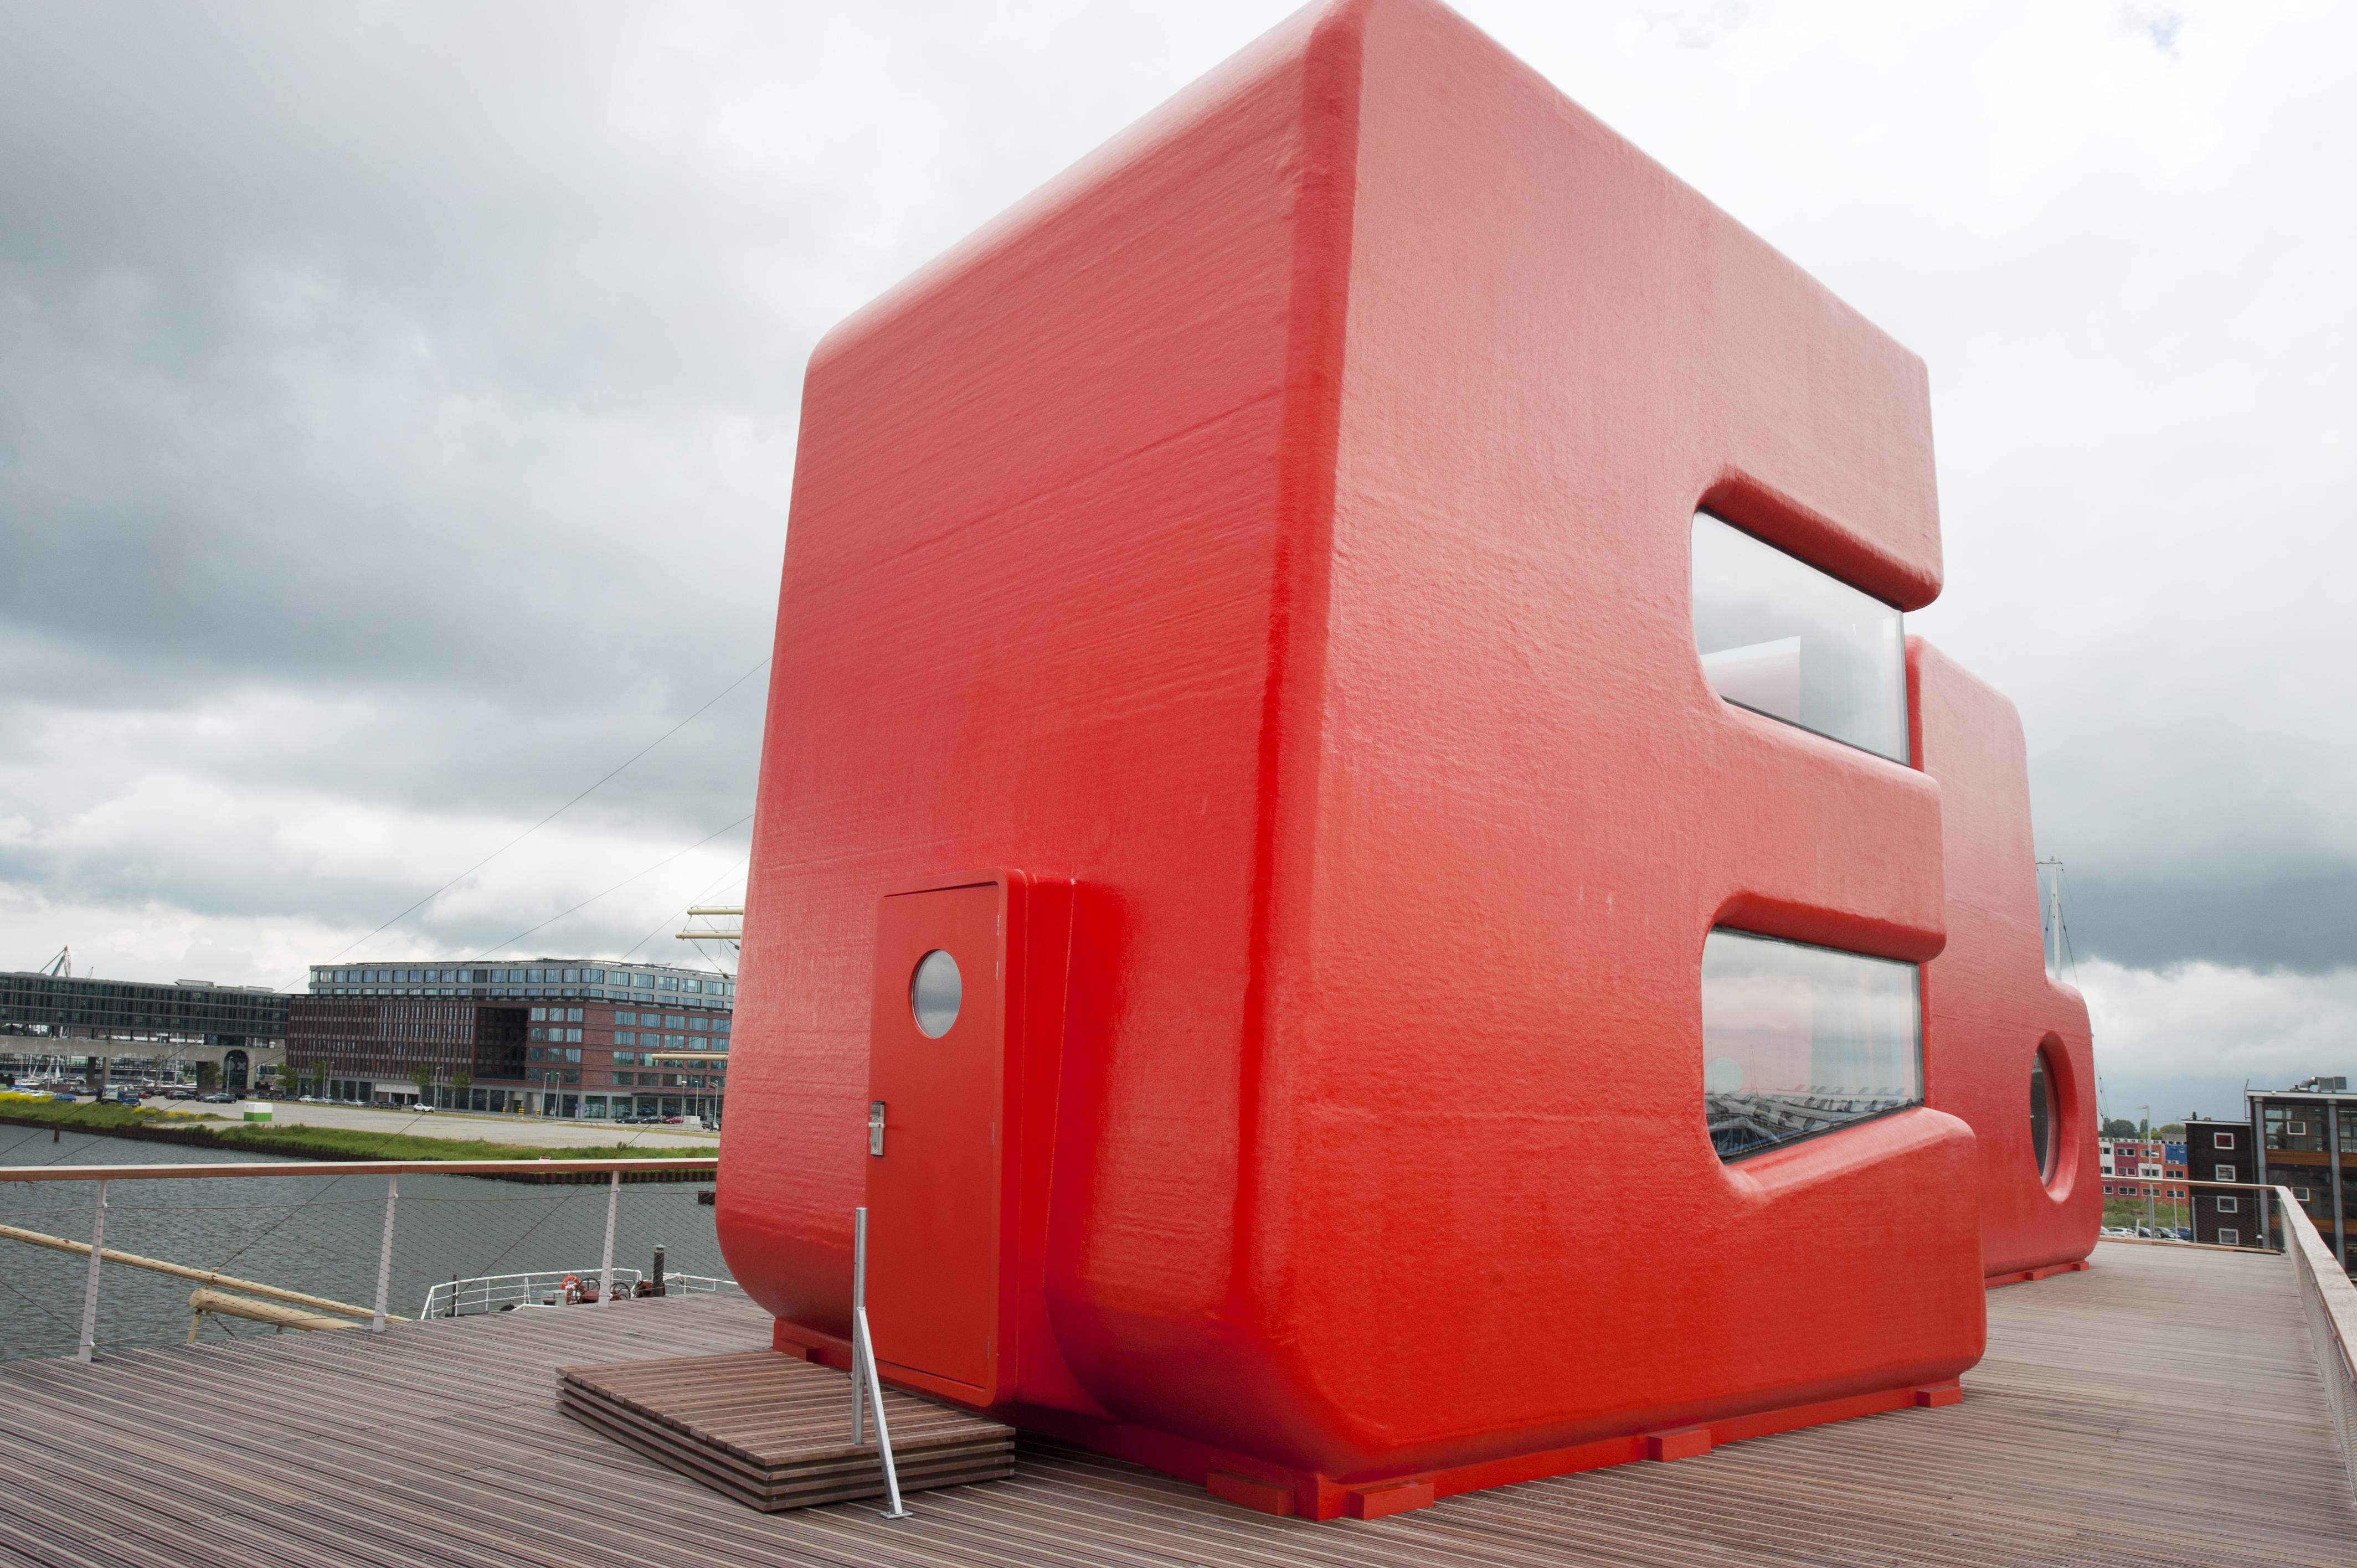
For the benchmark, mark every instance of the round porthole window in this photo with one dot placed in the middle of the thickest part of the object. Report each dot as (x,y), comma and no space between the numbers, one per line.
(2042,1114)
(934,993)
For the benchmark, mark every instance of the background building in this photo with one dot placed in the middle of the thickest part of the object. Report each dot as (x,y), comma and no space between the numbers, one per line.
(240,1029)
(2303,1138)
(549,1037)
(2142,1168)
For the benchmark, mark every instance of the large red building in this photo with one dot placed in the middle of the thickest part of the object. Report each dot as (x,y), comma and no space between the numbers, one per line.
(1345,859)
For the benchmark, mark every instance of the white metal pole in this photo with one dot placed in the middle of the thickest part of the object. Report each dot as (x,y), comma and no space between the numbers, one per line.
(89,1289)
(606,1268)
(384,1254)
(863,1341)
(859,1317)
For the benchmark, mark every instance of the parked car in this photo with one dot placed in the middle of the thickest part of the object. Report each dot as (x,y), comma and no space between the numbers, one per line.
(63,1099)
(218,1098)
(179,1092)
(421,1105)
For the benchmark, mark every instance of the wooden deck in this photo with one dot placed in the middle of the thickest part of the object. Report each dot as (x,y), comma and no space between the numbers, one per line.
(2163,1408)
(774,1432)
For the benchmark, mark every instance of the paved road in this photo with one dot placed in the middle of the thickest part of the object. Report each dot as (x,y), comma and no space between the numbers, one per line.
(539,1131)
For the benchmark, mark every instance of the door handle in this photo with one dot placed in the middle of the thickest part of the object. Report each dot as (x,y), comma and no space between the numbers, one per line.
(876,1128)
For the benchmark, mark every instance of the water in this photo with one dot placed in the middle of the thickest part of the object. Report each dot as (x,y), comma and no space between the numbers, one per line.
(321,1235)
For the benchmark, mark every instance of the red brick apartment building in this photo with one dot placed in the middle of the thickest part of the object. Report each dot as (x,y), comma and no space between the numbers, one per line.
(569,1037)
(2142,1167)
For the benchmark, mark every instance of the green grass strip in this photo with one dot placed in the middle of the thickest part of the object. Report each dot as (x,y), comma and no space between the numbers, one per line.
(306,1141)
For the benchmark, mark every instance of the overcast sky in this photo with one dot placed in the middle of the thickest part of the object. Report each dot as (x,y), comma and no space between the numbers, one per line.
(397,409)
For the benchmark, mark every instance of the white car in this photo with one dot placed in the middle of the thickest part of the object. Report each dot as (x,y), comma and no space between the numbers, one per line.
(421,1105)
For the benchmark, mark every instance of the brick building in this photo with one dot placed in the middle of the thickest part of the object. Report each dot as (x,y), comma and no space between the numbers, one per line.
(2303,1139)
(2141,1168)
(549,1037)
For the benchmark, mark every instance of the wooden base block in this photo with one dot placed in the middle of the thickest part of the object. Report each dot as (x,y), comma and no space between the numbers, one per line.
(774,1432)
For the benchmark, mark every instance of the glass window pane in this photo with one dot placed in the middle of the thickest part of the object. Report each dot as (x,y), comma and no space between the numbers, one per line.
(935,993)
(1798,1040)
(2041,1116)
(1781,638)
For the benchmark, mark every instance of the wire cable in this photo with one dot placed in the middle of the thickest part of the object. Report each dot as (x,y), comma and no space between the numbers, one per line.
(498,947)
(547,820)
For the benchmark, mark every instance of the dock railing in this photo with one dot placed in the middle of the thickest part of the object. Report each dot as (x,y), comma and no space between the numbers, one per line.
(2331,1301)
(551,1287)
(278,1305)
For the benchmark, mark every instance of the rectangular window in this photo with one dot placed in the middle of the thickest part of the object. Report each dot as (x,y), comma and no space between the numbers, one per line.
(539,1013)
(626,1059)
(2228,1205)
(2221,1173)
(675,1042)
(676,1021)
(624,1037)
(1783,638)
(540,1033)
(2229,1237)
(630,1019)
(2225,1140)
(1799,1039)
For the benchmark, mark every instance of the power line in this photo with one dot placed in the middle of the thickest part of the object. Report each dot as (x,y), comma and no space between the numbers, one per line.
(618,887)
(551,816)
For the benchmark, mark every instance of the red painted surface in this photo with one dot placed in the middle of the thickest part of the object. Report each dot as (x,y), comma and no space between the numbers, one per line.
(934,1194)
(1687,1442)
(1273,536)
(1987,1004)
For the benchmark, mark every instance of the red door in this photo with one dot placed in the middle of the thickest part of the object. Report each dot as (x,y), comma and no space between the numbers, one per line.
(935,1071)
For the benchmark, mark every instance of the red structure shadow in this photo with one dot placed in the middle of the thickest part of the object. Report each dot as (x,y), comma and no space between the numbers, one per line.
(1237,608)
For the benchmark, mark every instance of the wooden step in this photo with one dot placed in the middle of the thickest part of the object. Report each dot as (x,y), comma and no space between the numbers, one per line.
(774,1432)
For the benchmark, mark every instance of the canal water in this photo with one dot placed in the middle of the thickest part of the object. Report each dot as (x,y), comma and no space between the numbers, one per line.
(321,1235)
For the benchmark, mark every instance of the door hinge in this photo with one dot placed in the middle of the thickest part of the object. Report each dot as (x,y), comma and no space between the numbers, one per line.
(876,1128)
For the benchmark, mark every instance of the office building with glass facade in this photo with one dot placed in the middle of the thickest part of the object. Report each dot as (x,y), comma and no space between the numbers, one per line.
(571,1037)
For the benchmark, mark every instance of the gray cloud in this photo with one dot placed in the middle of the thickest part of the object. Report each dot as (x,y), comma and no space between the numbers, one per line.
(397,412)
(2305,924)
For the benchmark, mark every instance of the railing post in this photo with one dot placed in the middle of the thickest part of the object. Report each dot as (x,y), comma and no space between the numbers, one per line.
(384,1254)
(867,1384)
(89,1289)
(876,1397)
(858,1314)
(606,1267)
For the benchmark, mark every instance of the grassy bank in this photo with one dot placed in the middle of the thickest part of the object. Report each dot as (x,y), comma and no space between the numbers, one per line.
(302,1141)
(93,1117)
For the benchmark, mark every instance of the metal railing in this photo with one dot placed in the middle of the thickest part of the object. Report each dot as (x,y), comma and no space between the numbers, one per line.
(2331,1301)
(392,1170)
(554,1287)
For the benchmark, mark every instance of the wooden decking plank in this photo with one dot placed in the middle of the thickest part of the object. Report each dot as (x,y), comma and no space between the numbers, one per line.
(2163,1406)
(773,1431)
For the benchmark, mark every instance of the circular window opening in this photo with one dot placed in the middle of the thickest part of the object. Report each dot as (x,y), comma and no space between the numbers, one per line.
(934,993)
(2042,1114)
